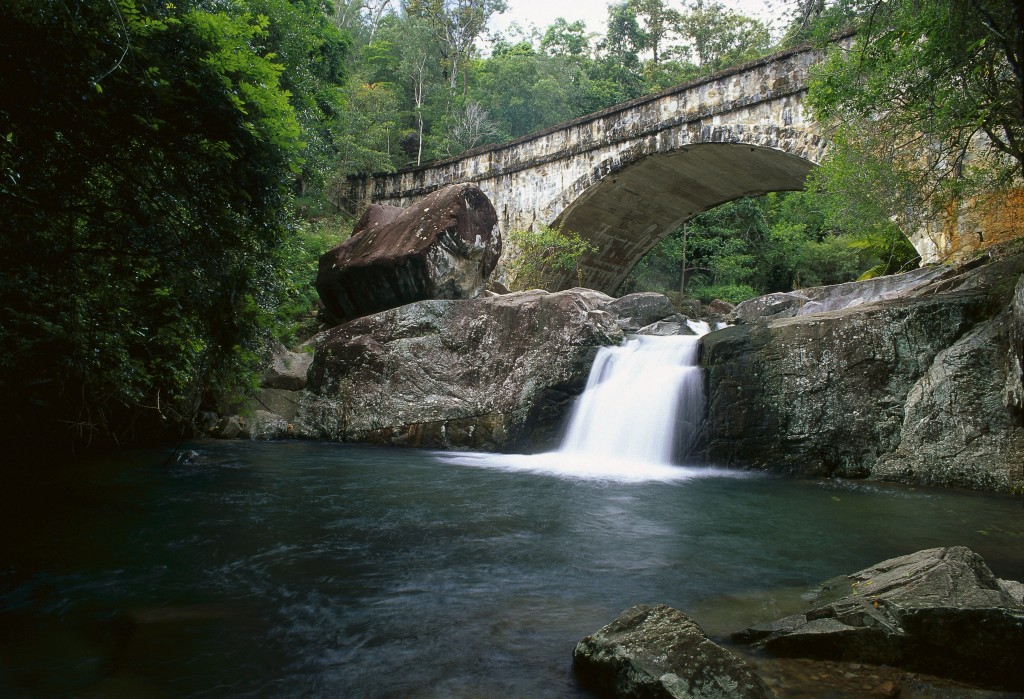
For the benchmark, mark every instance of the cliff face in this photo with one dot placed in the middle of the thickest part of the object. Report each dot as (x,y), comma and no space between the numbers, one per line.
(921,386)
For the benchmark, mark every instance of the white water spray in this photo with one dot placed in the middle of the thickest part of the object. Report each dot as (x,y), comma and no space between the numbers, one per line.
(643,402)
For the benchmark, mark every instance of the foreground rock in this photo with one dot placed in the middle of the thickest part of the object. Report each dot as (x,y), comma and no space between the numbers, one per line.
(490,373)
(918,388)
(939,611)
(658,652)
(443,247)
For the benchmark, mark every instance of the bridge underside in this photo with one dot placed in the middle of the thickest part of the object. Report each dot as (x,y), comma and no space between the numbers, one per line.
(628,212)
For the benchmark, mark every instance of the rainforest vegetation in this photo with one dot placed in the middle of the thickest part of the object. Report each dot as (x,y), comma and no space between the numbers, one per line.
(170,171)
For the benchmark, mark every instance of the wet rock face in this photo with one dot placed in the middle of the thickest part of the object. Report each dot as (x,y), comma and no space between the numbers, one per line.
(939,611)
(916,388)
(443,247)
(658,652)
(1014,394)
(490,373)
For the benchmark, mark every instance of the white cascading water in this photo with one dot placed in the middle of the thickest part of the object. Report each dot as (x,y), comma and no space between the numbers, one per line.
(639,413)
(643,402)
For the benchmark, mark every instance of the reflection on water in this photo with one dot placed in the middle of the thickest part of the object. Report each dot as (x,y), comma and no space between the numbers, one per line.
(300,569)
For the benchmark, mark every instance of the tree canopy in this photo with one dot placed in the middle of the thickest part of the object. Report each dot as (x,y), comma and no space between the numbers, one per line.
(148,155)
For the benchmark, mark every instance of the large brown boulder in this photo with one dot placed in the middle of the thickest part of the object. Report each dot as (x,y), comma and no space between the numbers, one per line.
(660,653)
(939,611)
(443,247)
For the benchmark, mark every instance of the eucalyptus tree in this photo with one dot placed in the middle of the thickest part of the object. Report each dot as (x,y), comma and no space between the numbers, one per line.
(456,25)
(715,36)
(568,39)
(660,24)
(361,19)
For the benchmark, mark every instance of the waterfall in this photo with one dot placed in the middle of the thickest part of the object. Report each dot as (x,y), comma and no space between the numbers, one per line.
(643,402)
(638,415)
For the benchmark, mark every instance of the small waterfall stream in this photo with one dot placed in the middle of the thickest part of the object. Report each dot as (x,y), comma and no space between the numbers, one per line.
(643,402)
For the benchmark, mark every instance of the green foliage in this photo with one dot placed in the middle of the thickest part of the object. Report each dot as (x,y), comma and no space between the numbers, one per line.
(749,247)
(523,90)
(718,37)
(295,273)
(312,54)
(542,252)
(145,200)
(926,79)
(733,293)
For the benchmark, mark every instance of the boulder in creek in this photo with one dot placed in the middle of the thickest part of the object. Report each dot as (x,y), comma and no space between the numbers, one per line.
(660,653)
(443,247)
(939,611)
(916,389)
(496,372)
(637,310)
(287,370)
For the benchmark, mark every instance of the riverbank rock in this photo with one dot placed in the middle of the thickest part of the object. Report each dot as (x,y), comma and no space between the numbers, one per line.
(914,387)
(286,370)
(489,373)
(635,311)
(939,611)
(443,247)
(658,652)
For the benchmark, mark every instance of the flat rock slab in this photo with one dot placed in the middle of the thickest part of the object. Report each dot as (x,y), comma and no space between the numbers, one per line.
(660,653)
(939,611)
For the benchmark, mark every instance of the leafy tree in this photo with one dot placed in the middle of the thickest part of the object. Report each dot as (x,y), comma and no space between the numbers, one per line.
(456,25)
(717,37)
(524,90)
(566,39)
(930,100)
(145,190)
(312,54)
(543,252)
(360,19)
(661,23)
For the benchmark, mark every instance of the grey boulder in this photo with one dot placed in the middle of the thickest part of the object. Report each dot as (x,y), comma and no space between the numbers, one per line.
(660,653)
(939,611)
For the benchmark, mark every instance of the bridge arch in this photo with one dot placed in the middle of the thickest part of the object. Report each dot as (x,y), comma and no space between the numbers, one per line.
(626,212)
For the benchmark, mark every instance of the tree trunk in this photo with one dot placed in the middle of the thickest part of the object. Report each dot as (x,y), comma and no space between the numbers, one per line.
(682,265)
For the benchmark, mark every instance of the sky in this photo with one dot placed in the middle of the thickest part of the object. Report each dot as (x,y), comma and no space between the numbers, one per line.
(595,12)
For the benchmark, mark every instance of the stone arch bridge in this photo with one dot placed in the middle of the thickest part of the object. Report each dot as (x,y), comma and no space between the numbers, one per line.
(626,177)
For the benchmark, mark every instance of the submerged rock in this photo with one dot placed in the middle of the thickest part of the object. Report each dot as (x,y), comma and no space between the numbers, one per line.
(912,389)
(443,247)
(939,611)
(658,652)
(489,373)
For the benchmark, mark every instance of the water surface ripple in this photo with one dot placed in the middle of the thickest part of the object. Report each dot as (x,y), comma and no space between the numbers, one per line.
(308,569)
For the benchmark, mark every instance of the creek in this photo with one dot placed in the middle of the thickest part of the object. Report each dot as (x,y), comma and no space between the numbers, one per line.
(298,569)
